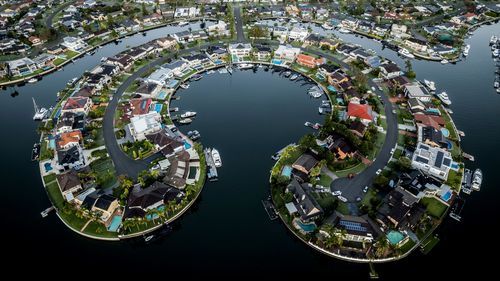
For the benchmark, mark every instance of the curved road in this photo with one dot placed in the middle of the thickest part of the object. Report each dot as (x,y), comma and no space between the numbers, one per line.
(48,21)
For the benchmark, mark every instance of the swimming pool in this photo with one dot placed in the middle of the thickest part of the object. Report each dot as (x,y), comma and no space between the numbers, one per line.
(445,132)
(52,143)
(115,223)
(332,89)
(395,237)
(192,173)
(310,227)
(187,145)
(446,197)
(217,62)
(287,171)
(162,95)
(450,144)
(48,167)
(276,62)
(154,216)
(158,107)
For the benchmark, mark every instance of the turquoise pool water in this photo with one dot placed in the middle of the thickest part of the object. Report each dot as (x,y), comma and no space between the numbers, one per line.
(218,62)
(276,62)
(332,89)
(446,197)
(445,132)
(162,95)
(158,107)
(287,171)
(310,227)
(395,237)
(115,223)
(187,145)
(154,216)
(48,167)
(52,143)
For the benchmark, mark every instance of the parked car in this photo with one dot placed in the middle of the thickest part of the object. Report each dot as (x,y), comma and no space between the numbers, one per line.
(378,171)
(392,150)
(337,193)
(342,198)
(365,189)
(358,199)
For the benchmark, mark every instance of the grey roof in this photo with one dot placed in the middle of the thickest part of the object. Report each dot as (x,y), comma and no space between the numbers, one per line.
(305,204)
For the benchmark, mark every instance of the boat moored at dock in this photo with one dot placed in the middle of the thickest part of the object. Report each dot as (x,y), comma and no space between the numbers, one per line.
(188,114)
(443,97)
(216,157)
(477,180)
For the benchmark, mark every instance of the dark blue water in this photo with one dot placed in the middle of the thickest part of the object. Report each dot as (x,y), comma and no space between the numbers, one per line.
(247,117)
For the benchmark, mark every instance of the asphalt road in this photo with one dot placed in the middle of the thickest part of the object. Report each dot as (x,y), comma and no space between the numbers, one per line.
(50,18)
(238,23)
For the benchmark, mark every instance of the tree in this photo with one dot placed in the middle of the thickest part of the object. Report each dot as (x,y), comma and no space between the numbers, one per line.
(308,141)
(382,246)
(144,9)
(409,70)
(257,32)
(380,181)
(404,164)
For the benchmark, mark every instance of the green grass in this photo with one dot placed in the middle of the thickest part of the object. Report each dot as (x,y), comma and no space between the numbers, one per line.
(379,142)
(434,207)
(132,87)
(429,243)
(58,61)
(356,169)
(70,54)
(105,171)
(454,180)
(449,125)
(343,208)
(371,193)
(397,153)
(325,180)
(98,229)
(55,194)
(407,246)
(72,220)
(49,178)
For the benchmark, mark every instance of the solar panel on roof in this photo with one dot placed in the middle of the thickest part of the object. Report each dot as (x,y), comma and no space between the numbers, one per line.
(447,162)
(422,160)
(355,226)
(439,159)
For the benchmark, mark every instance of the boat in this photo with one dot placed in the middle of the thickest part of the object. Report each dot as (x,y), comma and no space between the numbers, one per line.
(345,31)
(477,180)
(148,238)
(449,111)
(466,181)
(404,52)
(174,109)
(197,77)
(294,77)
(194,135)
(40,113)
(315,92)
(444,61)
(185,121)
(292,20)
(327,26)
(188,114)
(33,80)
(496,84)
(245,65)
(287,74)
(496,53)
(325,103)
(443,97)
(430,84)
(35,152)
(183,23)
(72,81)
(498,90)
(324,110)
(229,70)
(276,156)
(211,71)
(466,50)
(493,40)
(184,86)
(103,59)
(456,208)
(216,157)
(222,70)
(311,125)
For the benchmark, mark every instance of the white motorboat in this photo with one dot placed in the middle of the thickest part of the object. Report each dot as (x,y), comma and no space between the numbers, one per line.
(294,77)
(493,40)
(183,23)
(327,26)
(444,61)
(186,121)
(216,157)
(188,114)
(466,50)
(496,84)
(40,113)
(287,74)
(315,92)
(495,53)
(345,31)
(33,80)
(477,180)
(184,86)
(430,84)
(404,52)
(245,65)
(443,97)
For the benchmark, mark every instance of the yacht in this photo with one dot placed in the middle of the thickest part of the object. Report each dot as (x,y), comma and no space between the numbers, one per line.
(186,121)
(466,50)
(194,135)
(404,52)
(245,65)
(188,114)
(287,74)
(197,77)
(496,84)
(183,23)
(33,80)
(292,20)
(40,113)
(477,179)
(184,86)
(327,26)
(495,53)
(493,40)
(444,98)
(430,84)
(444,61)
(315,92)
(216,157)
(343,30)
(294,77)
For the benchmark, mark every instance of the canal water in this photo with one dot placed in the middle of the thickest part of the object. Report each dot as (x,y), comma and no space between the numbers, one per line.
(247,116)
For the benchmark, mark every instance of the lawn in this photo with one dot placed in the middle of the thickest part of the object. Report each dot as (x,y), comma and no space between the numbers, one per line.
(434,207)
(98,229)
(407,246)
(72,220)
(356,169)
(70,54)
(105,172)
(55,194)
(325,180)
(49,178)
(371,193)
(132,87)
(58,61)
(379,142)
(449,125)
(343,208)
(454,180)
(429,243)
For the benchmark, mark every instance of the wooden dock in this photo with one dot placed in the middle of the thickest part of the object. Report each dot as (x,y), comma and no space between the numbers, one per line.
(270,210)
(468,156)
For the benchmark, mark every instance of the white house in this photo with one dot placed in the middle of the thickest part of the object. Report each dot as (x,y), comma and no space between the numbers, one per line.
(145,124)
(240,49)
(23,66)
(160,76)
(390,70)
(218,29)
(399,31)
(74,44)
(432,161)
(287,53)
(298,33)
(190,12)
(417,91)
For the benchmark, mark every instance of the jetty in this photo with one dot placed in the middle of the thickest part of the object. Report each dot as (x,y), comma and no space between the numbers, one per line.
(46,212)
(456,208)
(270,210)
(212,170)
(468,156)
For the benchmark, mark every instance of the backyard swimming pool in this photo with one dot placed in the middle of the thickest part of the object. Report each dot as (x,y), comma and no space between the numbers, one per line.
(48,167)
(187,145)
(162,95)
(446,197)
(276,62)
(158,107)
(115,223)
(287,171)
(395,237)
(154,216)
(445,132)
(310,227)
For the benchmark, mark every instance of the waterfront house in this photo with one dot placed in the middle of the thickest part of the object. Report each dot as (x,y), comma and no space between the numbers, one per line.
(183,37)
(396,207)
(23,66)
(74,44)
(327,69)
(305,163)
(148,90)
(139,106)
(328,43)
(240,50)
(356,228)
(145,124)
(399,31)
(69,183)
(431,136)
(216,52)
(160,76)
(69,139)
(337,77)
(322,14)
(309,61)
(105,205)
(416,44)
(432,161)
(137,53)
(345,49)
(437,122)
(141,200)
(350,22)
(286,53)
(298,33)
(71,158)
(166,142)
(178,171)
(312,40)
(307,207)
(416,105)
(218,29)
(364,112)
(85,91)
(390,70)
(44,60)
(196,60)
(77,105)
(177,67)
(124,61)
(262,53)
(416,90)
(70,121)
(168,43)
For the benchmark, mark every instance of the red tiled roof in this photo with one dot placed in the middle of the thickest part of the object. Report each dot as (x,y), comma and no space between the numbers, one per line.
(75,103)
(361,111)
(140,106)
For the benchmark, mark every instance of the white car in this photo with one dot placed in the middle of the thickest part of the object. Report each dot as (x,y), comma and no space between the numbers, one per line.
(373,89)
(342,198)
(365,189)
(392,150)
(337,193)
(394,111)
(378,171)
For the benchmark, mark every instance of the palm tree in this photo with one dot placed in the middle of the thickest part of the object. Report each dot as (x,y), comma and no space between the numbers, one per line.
(382,246)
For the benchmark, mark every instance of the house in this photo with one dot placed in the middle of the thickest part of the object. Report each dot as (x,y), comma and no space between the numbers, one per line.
(437,122)
(183,37)
(360,111)
(141,200)
(262,53)
(145,124)
(77,105)
(85,91)
(306,205)
(139,106)
(218,29)
(148,90)
(372,61)
(69,183)
(196,60)
(312,39)
(416,90)
(399,31)
(327,69)
(432,136)
(432,161)
(124,61)
(280,32)
(177,67)
(355,228)
(358,128)
(188,12)
(178,170)
(390,70)
(160,76)
(137,53)
(298,33)
(337,77)
(240,50)
(396,207)
(35,41)
(322,14)
(286,53)
(168,43)
(216,52)
(70,121)
(359,54)
(416,44)
(71,158)
(340,147)
(305,163)
(105,205)
(416,105)
(328,43)
(44,60)
(69,139)
(166,142)
(309,61)
(292,10)
(74,44)
(22,66)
